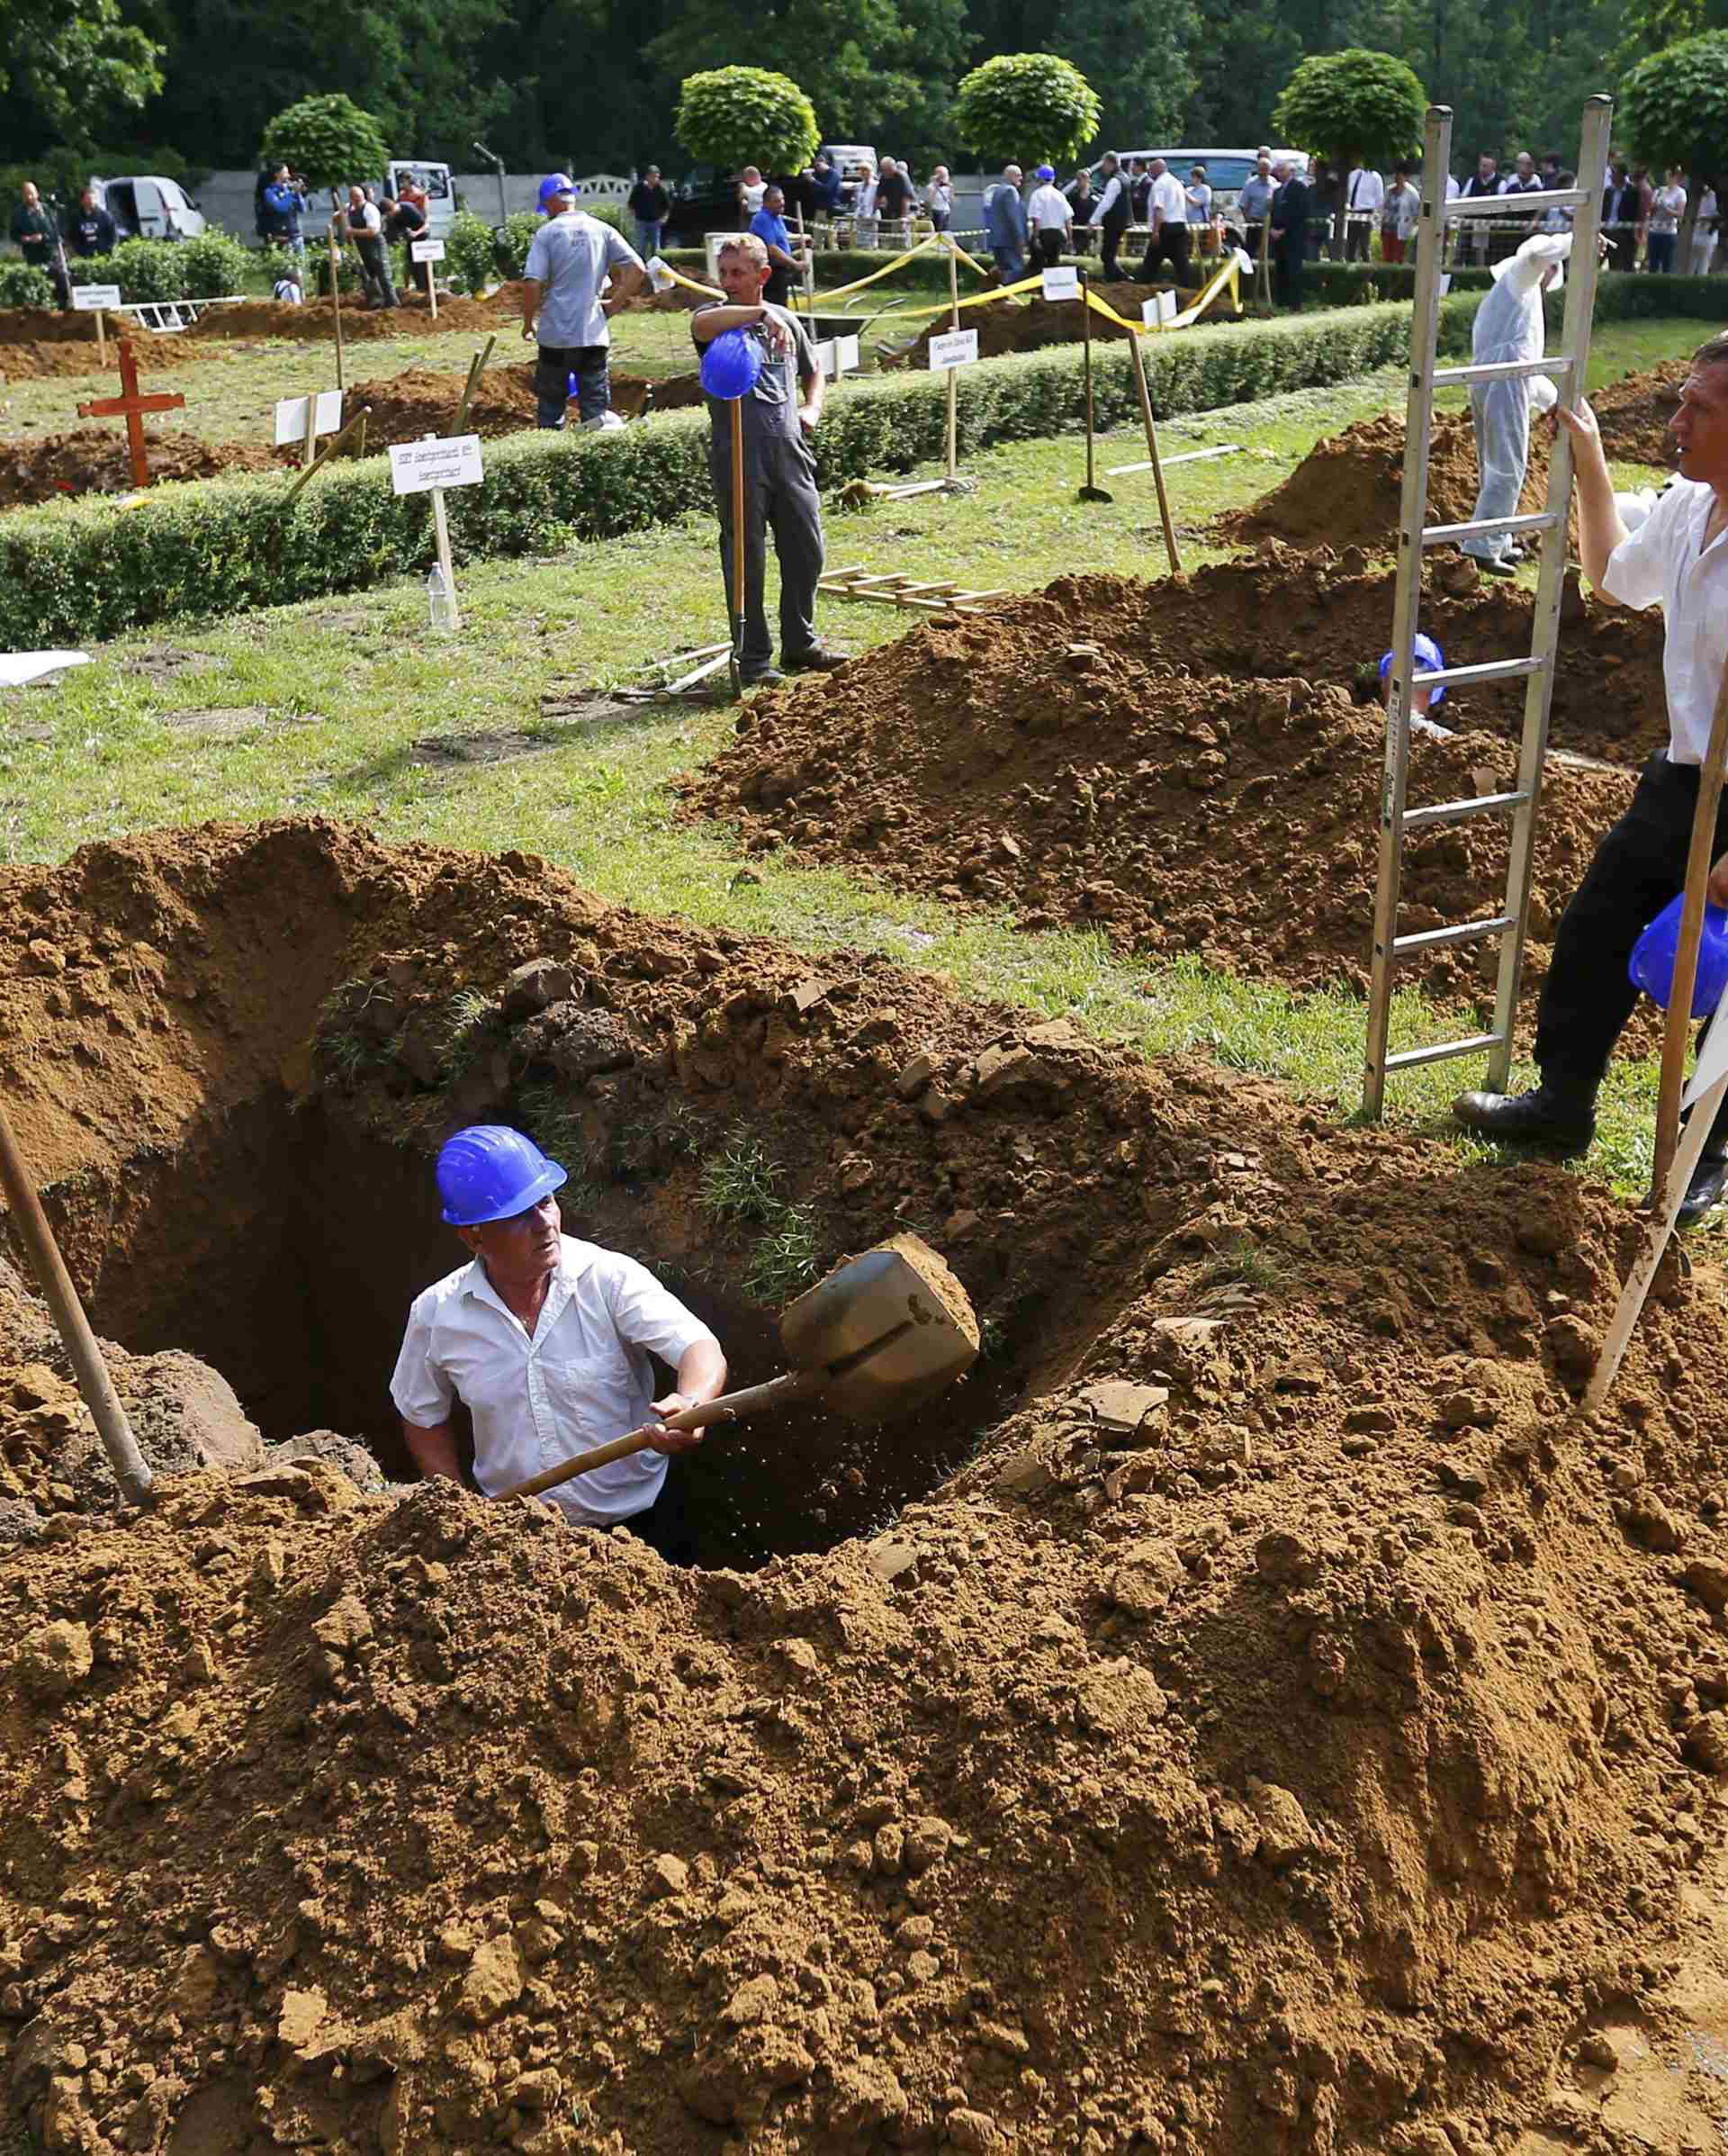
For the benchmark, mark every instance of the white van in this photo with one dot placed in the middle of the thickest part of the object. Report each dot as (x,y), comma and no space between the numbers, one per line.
(440,194)
(147,207)
(1226,169)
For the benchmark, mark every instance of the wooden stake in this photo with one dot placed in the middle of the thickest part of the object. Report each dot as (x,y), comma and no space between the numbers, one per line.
(309,448)
(1677,1031)
(131,1470)
(1158,462)
(476,368)
(431,270)
(336,301)
(357,423)
(101,341)
(953,372)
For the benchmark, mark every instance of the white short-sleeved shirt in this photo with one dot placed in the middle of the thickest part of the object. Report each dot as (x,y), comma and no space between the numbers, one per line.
(582,1380)
(573,257)
(1364,193)
(1171,196)
(1665,563)
(1049,210)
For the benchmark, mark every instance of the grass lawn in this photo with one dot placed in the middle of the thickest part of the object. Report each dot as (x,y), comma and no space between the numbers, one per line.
(327,708)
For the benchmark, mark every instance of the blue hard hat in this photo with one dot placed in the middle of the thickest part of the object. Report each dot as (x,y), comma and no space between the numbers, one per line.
(555,183)
(1045,172)
(489,1172)
(730,364)
(1429,657)
(1653,955)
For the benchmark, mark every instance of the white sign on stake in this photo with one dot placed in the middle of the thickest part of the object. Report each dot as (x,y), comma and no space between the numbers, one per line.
(839,356)
(659,276)
(91,299)
(416,467)
(290,417)
(1159,307)
(953,347)
(426,250)
(1062,284)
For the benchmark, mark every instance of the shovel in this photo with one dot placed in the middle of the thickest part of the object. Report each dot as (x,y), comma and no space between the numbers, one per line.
(738,542)
(1089,493)
(879,1335)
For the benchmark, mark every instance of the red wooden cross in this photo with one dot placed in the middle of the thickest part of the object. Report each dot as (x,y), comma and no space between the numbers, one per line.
(130,406)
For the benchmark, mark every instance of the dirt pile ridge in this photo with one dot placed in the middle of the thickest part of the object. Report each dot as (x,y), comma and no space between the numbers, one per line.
(1634,412)
(1031,324)
(1050,760)
(95,460)
(45,362)
(312,320)
(1288,1733)
(421,401)
(1345,491)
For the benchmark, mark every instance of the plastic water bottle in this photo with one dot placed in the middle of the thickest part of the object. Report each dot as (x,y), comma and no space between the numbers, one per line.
(1652,961)
(441,600)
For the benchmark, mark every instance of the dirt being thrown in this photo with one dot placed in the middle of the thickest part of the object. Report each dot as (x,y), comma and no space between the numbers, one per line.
(1279,1693)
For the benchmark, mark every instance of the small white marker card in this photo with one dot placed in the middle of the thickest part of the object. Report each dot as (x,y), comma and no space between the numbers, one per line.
(416,467)
(953,347)
(1159,307)
(839,356)
(1062,284)
(659,276)
(291,416)
(91,299)
(426,250)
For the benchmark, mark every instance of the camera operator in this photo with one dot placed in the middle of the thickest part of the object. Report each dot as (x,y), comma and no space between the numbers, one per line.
(285,199)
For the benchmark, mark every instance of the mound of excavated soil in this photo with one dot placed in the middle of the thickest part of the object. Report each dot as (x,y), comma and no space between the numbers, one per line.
(47,362)
(1289,1732)
(1029,325)
(1345,491)
(95,460)
(1634,413)
(421,401)
(1074,781)
(268,318)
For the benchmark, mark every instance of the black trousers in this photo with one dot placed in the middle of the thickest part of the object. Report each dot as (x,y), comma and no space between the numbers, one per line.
(1288,255)
(1047,244)
(1170,245)
(1638,868)
(666,1526)
(1111,235)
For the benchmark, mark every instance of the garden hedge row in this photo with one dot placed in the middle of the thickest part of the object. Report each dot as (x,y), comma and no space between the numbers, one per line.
(79,571)
(1619,298)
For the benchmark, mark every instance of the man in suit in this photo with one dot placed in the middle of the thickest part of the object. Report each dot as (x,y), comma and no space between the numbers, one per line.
(1288,215)
(1005,225)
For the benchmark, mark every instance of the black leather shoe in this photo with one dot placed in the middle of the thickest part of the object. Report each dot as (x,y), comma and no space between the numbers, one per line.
(818,659)
(1703,1193)
(765,677)
(1542,1117)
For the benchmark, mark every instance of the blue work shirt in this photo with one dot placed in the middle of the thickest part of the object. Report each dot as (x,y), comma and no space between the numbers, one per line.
(770,229)
(573,255)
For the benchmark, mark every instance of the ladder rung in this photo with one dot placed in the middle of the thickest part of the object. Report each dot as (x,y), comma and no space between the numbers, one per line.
(1503,370)
(1410,1057)
(1441,939)
(1523,205)
(1456,812)
(1437,534)
(1490,669)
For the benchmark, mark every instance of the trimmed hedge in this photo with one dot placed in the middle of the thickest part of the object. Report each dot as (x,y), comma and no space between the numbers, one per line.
(82,569)
(1619,298)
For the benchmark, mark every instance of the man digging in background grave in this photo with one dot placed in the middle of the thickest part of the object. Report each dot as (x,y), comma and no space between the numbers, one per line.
(1676,558)
(546,1340)
(579,273)
(778,416)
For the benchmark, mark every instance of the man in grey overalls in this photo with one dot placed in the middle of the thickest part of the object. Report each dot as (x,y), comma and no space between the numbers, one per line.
(779,414)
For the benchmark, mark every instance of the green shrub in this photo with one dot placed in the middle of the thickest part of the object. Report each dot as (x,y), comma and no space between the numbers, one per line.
(144,269)
(21,285)
(328,140)
(516,240)
(215,265)
(1027,105)
(86,569)
(470,251)
(737,116)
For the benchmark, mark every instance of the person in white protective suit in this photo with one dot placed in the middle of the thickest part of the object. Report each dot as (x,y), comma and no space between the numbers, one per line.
(1510,327)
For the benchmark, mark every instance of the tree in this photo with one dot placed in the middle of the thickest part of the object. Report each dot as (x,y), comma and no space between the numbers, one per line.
(1674,111)
(328,140)
(1141,54)
(736,116)
(70,65)
(1351,106)
(1026,107)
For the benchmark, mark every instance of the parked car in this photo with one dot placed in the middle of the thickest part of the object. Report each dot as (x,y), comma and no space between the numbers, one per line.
(706,199)
(855,162)
(1226,170)
(147,207)
(440,192)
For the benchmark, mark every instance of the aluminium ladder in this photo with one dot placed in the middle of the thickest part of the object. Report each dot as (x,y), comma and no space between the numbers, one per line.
(1415,536)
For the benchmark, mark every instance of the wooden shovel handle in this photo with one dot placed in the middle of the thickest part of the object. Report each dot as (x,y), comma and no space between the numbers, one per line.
(728,1407)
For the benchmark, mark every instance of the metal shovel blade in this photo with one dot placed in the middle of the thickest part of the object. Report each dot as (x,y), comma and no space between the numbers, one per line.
(890,1327)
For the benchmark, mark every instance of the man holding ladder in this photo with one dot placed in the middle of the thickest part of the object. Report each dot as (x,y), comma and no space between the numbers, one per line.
(1677,559)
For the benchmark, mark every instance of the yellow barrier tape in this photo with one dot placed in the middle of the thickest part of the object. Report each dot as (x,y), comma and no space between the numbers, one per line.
(841,292)
(690,284)
(969,261)
(1230,274)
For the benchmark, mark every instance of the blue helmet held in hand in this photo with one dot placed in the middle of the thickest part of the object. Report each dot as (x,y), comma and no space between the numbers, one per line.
(489,1172)
(1429,657)
(730,364)
(1653,955)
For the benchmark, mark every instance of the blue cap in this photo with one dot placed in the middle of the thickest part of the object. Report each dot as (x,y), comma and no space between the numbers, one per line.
(1045,172)
(1429,657)
(489,1172)
(730,364)
(555,183)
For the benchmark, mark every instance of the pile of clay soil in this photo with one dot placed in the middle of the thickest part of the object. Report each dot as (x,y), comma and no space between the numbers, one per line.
(50,362)
(1634,413)
(422,402)
(1027,325)
(95,460)
(314,320)
(1029,761)
(1292,1729)
(1345,491)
